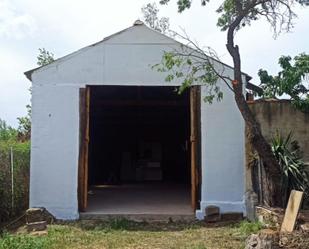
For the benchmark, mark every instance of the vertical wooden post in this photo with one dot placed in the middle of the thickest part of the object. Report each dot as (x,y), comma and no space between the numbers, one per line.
(82,110)
(83,148)
(12,179)
(87,138)
(193,139)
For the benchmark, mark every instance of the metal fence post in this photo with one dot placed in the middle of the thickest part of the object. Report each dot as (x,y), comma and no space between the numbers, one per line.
(12,177)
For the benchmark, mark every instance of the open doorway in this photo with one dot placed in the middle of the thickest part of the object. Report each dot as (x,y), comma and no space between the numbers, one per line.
(138,156)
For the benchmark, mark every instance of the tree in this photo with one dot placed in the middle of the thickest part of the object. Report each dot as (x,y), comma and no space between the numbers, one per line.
(7,132)
(45,57)
(24,123)
(233,15)
(289,81)
(150,12)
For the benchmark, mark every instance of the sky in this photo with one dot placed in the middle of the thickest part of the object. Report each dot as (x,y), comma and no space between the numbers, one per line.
(63,26)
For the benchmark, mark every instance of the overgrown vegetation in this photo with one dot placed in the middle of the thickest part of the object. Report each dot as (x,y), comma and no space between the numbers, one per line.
(14,187)
(294,172)
(127,234)
(13,205)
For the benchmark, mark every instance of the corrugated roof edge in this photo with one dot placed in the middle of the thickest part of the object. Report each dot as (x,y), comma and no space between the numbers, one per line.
(249,85)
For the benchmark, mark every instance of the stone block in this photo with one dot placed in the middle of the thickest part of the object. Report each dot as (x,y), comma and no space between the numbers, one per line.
(38,214)
(36,226)
(212,210)
(34,215)
(212,214)
(232,216)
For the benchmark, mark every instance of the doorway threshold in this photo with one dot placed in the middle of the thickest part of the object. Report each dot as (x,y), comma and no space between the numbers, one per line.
(138,217)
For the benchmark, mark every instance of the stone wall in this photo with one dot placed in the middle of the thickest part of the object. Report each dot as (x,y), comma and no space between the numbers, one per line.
(279,115)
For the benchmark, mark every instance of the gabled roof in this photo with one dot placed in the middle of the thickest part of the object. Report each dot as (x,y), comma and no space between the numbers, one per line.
(29,73)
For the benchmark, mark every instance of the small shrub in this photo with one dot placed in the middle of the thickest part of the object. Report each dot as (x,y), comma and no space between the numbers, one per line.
(246,227)
(294,173)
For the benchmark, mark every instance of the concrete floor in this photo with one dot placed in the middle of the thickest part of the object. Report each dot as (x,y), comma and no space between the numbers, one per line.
(140,199)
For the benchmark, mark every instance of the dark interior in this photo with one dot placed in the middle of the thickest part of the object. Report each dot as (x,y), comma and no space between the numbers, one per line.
(138,134)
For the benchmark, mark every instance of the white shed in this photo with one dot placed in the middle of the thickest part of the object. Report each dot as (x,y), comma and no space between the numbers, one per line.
(110,136)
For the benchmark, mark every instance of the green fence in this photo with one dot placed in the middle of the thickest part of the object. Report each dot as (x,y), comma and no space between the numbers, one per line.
(14,179)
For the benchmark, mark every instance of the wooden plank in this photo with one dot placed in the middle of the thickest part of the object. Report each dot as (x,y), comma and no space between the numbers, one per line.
(81,161)
(139,103)
(84,108)
(198,148)
(291,211)
(193,146)
(86,144)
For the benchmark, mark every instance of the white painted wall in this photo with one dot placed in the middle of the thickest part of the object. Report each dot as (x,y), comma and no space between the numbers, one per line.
(123,59)
(223,150)
(54,149)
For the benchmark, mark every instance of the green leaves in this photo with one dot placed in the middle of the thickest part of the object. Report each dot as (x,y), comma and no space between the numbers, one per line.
(191,68)
(183,4)
(150,12)
(24,125)
(231,9)
(294,172)
(291,81)
(164,2)
(45,57)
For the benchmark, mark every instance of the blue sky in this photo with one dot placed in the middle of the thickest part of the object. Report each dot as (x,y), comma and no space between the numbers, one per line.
(63,26)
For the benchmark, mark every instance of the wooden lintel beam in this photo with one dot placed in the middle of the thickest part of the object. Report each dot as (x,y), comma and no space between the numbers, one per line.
(130,103)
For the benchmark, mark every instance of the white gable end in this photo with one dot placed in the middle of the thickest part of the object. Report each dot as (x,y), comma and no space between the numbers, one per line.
(125,58)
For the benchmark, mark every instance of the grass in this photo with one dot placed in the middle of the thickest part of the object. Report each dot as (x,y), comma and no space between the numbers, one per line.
(127,234)
(246,228)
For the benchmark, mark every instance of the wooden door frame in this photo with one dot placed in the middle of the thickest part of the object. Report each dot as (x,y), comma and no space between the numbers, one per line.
(84,110)
(195,139)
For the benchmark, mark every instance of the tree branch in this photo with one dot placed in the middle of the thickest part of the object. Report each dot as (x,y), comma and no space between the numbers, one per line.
(204,57)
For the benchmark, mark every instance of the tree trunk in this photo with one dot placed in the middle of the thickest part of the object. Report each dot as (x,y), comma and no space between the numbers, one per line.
(263,148)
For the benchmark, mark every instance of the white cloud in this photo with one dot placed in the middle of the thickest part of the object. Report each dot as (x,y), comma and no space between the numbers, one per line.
(14,24)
